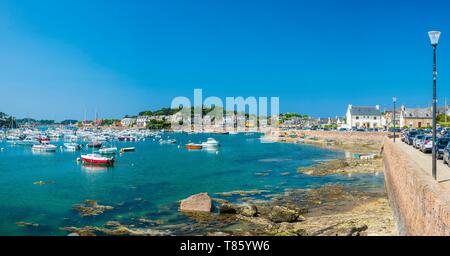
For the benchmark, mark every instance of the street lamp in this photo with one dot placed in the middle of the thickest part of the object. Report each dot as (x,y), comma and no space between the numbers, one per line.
(394,99)
(434,38)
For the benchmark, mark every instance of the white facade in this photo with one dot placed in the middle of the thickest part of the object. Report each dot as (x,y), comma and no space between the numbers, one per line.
(363,117)
(127,122)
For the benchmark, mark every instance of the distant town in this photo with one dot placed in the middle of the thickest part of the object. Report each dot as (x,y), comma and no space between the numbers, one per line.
(356,117)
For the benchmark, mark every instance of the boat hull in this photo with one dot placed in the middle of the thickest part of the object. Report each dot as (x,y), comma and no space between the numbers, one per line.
(94,161)
(194,146)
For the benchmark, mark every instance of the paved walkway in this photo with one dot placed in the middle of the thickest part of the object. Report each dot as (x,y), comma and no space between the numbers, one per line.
(424,162)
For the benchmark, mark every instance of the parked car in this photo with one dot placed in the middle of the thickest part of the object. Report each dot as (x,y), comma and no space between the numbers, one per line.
(441,144)
(427,144)
(446,155)
(410,136)
(445,131)
(418,140)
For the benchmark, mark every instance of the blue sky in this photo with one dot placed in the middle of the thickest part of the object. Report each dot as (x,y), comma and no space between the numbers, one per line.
(60,59)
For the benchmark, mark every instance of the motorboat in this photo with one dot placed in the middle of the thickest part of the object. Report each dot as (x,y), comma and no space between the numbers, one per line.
(111,150)
(28,141)
(169,141)
(97,159)
(72,146)
(129,149)
(126,138)
(194,146)
(211,142)
(44,147)
(94,144)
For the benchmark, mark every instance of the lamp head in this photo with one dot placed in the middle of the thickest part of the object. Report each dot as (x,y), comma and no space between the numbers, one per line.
(434,37)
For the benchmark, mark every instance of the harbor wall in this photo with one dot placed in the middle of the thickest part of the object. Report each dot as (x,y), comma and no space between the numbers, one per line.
(336,135)
(421,205)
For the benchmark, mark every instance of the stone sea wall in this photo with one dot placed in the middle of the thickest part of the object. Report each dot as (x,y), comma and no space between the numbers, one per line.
(421,206)
(336,135)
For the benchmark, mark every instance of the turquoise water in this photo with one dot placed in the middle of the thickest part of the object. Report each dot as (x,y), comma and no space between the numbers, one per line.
(147,182)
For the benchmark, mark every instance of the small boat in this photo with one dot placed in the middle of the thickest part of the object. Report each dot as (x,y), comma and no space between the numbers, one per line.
(95,159)
(44,148)
(43,139)
(111,150)
(169,141)
(94,144)
(194,146)
(28,141)
(72,146)
(129,149)
(211,142)
(126,138)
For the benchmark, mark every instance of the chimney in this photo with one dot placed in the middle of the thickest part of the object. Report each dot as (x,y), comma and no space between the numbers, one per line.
(349,106)
(377,107)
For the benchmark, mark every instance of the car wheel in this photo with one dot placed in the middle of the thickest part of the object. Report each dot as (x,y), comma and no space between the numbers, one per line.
(443,160)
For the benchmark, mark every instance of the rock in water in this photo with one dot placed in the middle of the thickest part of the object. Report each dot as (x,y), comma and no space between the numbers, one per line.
(280,214)
(227,207)
(248,210)
(197,203)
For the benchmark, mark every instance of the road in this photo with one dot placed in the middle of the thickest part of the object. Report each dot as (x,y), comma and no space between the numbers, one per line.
(424,162)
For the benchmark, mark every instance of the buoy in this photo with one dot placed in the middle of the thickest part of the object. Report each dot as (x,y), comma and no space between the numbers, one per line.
(78,159)
(217,152)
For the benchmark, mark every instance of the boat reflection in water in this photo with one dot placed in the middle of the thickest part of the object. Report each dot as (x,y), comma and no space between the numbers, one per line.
(90,169)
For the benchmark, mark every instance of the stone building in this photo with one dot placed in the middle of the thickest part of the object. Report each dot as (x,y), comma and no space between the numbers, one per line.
(416,117)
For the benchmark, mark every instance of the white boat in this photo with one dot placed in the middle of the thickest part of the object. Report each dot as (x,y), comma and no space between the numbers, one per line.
(211,142)
(12,138)
(169,141)
(44,148)
(111,150)
(72,146)
(28,141)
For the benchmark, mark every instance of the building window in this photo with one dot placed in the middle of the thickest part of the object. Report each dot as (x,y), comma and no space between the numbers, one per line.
(375,118)
(357,117)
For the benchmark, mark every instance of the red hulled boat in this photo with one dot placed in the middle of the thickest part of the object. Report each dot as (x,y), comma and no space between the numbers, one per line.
(96,159)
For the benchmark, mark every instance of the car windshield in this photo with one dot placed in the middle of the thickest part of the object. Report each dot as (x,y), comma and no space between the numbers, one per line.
(444,141)
(419,136)
(428,138)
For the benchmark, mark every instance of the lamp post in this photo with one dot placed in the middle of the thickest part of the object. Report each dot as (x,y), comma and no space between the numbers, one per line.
(394,99)
(434,38)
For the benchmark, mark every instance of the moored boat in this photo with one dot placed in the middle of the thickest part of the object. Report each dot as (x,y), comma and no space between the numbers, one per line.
(211,142)
(129,149)
(44,148)
(97,159)
(72,146)
(169,141)
(126,138)
(94,144)
(194,146)
(110,150)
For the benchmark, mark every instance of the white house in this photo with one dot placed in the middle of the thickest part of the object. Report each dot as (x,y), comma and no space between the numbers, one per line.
(363,117)
(142,121)
(127,121)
